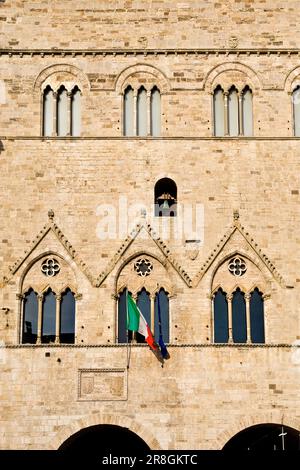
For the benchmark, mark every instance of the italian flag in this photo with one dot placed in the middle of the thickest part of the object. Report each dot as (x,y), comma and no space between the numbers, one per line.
(136,322)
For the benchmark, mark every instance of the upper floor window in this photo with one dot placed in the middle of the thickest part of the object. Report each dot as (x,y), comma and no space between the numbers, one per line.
(61,112)
(155,309)
(142,112)
(296,110)
(165,198)
(48,317)
(233,114)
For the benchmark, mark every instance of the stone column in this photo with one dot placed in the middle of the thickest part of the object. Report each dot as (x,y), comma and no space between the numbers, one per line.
(152,310)
(134,112)
(213,130)
(57,318)
(54,108)
(69,113)
(21,298)
(248,323)
(229,300)
(213,317)
(240,110)
(40,318)
(149,113)
(226,123)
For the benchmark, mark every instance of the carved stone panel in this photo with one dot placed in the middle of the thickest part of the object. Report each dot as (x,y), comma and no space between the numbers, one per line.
(102,384)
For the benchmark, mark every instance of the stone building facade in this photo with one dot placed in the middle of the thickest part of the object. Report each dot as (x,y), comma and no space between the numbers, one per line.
(56,191)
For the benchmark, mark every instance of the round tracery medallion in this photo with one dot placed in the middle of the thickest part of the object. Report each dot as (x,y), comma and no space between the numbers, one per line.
(50,267)
(237,266)
(143,267)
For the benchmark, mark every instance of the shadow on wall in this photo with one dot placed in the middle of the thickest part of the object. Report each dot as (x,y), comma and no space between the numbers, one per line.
(1,143)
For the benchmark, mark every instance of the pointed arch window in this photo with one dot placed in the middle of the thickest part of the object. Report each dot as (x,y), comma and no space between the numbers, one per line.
(247,112)
(220,317)
(238,317)
(128,112)
(233,112)
(49,317)
(144,304)
(67,318)
(30,317)
(155,112)
(75,112)
(296,110)
(48,110)
(239,325)
(257,317)
(161,306)
(61,112)
(148,305)
(141,112)
(219,113)
(165,198)
(142,123)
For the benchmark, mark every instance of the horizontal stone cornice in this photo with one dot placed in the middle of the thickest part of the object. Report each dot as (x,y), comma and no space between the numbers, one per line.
(145,52)
(149,139)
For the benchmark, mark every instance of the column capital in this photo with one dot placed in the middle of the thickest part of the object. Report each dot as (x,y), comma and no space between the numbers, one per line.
(229,297)
(58,297)
(247,296)
(40,297)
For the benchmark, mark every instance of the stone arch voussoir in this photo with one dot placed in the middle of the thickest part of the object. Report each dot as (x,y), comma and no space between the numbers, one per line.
(98,419)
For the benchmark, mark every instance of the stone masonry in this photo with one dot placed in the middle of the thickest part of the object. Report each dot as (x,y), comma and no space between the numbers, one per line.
(248,188)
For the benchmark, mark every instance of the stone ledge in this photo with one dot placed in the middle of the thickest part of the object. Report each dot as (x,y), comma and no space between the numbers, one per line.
(184,345)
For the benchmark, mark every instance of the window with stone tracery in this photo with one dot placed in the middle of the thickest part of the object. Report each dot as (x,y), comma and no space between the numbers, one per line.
(48,302)
(61,111)
(238,306)
(148,283)
(141,111)
(233,112)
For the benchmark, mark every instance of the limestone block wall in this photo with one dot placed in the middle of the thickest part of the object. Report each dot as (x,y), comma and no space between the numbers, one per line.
(195,401)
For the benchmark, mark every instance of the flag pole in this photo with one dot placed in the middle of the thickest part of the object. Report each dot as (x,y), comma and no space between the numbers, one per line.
(127,336)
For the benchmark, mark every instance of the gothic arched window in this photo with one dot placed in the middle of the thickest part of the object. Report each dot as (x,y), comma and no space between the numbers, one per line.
(220,317)
(155,112)
(141,112)
(239,324)
(296,110)
(49,317)
(142,122)
(30,317)
(162,314)
(76,112)
(233,112)
(48,110)
(128,112)
(165,198)
(218,103)
(67,317)
(257,317)
(247,112)
(144,304)
(61,112)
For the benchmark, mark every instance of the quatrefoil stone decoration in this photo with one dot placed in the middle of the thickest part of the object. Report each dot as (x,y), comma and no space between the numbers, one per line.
(50,267)
(143,267)
(237,266)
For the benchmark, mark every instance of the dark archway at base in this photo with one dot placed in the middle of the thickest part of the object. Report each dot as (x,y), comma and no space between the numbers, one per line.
(265,437)
(104,439)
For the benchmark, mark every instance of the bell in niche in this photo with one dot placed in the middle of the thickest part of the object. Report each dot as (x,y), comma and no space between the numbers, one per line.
(165,204)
